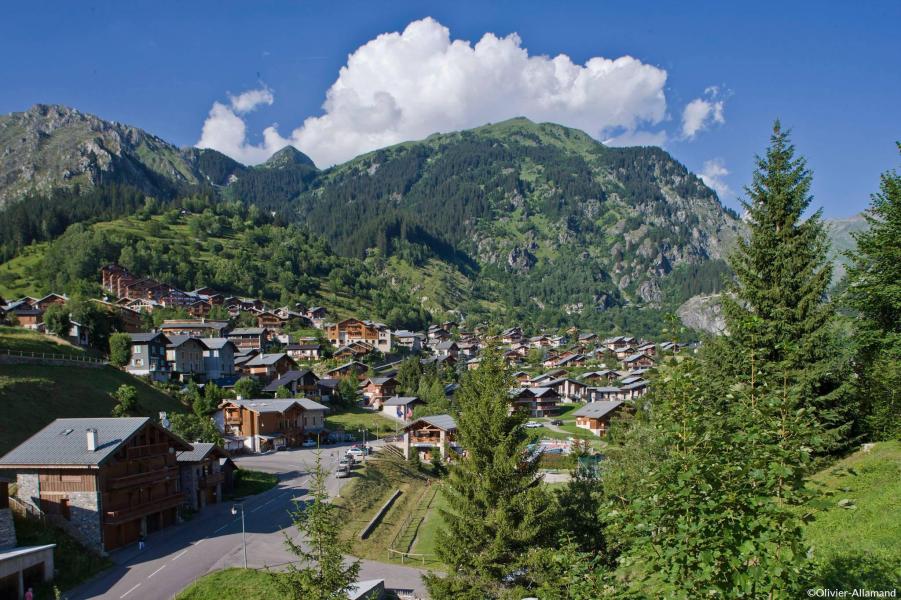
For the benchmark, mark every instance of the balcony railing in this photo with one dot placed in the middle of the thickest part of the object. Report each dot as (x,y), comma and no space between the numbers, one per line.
(113,517)
(149,477)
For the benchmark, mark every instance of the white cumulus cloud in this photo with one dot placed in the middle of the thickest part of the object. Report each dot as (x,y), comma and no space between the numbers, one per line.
(713,175)
(406,85)
(701,113)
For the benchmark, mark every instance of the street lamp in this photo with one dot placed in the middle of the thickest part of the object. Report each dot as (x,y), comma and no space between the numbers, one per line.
(243,531)
(363,429)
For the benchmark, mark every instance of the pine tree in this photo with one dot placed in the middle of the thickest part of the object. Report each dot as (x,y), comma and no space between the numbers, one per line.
(778,308)
(322,572)
(497,509)
(874,290)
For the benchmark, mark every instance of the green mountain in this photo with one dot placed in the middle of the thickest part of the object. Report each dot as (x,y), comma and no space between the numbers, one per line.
(514,220)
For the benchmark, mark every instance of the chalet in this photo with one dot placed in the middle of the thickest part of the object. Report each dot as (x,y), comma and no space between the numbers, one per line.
(588,338)
(638,360)
(520,377)
(549,376)
(266,424)
(27,316)
(600,394)
(568,389)
(344,332)
(249,337)
(467,349)
(439,361)
(306,351)
(195,327)
(650,349)
(185,356)
(266,367)
(400,407)
(269,320)
(148,356)
(634,390)
(130,318)
(378,389)
(200,474)
(303,383)
(49,300)
(228,468)
(624,352)
(473,363)
(218,358)
(595,416)
(571,360)
(447,348)
(512,335)
(199,308)
(537,401)
(615,343)
(353,350)
(602,376)
(106,481)
(350,369)
(436,333)
(428,434)
(327,388)
(408,340)
(242,357)
(510,357)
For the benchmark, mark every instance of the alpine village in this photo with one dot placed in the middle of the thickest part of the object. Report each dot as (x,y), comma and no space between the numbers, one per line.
(505,362)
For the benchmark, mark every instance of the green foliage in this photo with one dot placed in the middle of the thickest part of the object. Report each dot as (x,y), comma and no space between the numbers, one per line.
(778,312)
(496,511)
(247,387)
(57,321)
(283,392)
(348,393)
(321,571)
(119,349)
(126,401)
(712,515)
(874,291)
(195,428)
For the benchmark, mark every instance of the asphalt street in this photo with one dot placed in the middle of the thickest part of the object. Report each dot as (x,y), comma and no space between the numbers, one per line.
(211,540)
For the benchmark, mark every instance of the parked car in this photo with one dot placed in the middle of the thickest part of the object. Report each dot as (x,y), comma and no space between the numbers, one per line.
(309,443)
(346,462)
(557,422)
(342,472)
(533,425)
(356,452)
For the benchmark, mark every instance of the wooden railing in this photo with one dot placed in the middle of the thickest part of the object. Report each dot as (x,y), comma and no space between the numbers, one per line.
(113,517)
(76,358)
(26,510)
(142,478)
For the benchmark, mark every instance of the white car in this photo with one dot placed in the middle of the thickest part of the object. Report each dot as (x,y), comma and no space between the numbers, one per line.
(533,425)
(310,443)
(356,452)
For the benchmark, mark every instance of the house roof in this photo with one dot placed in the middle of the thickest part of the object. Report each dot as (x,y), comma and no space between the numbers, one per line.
(289,377)
(180,340)
(598,409)
(635,356)
(145,337)
(247,331)
(200,451)
(264,360)
(64,442)
(279,405)
(401,401)
(445,422)
(606,390)
(217,343)
(381,380)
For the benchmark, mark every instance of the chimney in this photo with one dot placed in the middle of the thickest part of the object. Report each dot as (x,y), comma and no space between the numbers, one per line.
(92,440)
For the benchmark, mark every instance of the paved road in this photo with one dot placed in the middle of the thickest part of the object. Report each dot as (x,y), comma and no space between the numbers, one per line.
(176,556)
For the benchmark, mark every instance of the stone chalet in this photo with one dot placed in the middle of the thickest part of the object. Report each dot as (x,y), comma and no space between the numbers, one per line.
(105,481)
(595,416)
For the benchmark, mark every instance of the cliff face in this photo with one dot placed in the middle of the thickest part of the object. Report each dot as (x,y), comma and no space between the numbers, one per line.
(704,313)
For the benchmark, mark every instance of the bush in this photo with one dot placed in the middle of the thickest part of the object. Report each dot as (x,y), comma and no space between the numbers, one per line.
(120,349)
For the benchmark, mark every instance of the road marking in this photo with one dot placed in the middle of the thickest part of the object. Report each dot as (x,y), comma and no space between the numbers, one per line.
(157,571)
(130,591)
(183,552)
(223,527)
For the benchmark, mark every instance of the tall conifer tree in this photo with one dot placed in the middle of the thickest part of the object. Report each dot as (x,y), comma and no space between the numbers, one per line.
(778,308)
(497,509)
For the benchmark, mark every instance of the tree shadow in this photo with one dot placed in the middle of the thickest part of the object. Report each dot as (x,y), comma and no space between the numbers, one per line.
(858,571)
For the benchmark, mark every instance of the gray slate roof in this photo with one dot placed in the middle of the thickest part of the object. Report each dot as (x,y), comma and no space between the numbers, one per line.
(246,331)
(261,360)
(197,454)
(598,409)
(400,400)
(216,343)
(64,442)
(279,405)
(143,338)
(445,422)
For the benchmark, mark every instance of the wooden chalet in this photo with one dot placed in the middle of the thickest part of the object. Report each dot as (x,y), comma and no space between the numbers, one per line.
(253,338)
(267,367)
(537,401)
(351,330)
(596,416)
(302,384)
(429,434)
(266,424)
(378,389)
(201,475)
(349,369)
(106,481)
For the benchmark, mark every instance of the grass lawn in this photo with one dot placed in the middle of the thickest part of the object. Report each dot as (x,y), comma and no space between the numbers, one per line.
(858,547)
(33,395)
(73,562)
(232,584)
(250,483)
(26,340)
(352,419)
(366,492)
(428,531)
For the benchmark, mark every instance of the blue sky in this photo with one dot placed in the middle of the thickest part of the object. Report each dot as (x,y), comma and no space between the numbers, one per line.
(829,70)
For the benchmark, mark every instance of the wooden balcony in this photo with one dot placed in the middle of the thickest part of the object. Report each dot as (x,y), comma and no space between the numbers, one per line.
(114,517)
(148,478)
(212,479)
(147,450)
